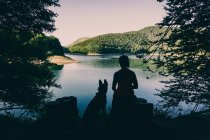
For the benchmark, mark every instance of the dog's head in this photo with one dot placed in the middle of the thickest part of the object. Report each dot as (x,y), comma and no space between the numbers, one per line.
(102,89)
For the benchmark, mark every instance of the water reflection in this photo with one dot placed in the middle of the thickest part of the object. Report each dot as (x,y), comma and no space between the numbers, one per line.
(81,79)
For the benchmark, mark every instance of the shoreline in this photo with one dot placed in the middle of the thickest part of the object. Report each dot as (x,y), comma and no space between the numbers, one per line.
(99,54)
(61,60)
(94,54)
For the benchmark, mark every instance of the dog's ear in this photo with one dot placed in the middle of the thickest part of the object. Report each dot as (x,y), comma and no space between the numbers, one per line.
(105,82)
(100,83)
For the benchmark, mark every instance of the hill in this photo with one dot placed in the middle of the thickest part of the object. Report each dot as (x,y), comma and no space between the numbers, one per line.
(128,42)
(79,40)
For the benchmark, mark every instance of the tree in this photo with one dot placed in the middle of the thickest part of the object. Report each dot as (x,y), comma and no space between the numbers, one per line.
(50,44)
(25,78)
(186,54)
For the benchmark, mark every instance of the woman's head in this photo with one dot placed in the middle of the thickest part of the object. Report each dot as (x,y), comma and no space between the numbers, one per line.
(124,61)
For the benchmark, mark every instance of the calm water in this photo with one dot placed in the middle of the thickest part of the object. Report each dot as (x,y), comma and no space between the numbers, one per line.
(81,79)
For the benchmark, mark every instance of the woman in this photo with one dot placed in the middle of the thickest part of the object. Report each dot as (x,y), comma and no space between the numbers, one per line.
(124,80)
(124,83)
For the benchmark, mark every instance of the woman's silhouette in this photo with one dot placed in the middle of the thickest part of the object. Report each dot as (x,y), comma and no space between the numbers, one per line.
(124,83)
(124,80)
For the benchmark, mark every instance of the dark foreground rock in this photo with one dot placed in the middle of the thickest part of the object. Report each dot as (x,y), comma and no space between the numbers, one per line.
(131,111)
(62,109)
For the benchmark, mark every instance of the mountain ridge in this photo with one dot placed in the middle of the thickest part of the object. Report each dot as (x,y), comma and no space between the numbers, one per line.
(79,40)
(127,42)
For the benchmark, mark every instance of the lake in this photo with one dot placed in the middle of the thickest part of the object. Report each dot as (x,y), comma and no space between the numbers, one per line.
(81,79)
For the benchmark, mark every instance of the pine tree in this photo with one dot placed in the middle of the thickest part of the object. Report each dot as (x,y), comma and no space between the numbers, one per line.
(187,55)
(25,78)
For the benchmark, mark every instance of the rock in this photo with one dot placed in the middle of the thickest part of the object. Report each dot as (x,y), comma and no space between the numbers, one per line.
(62,110)
(141,100)
(133,111)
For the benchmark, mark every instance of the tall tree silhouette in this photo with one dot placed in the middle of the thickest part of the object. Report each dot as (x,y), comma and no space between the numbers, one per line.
(25,78)
(185,52)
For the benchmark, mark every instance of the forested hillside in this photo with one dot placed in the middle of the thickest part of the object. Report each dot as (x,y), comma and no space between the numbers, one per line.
(129,42)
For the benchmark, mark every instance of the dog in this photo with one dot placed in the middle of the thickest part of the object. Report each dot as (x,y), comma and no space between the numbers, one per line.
(96,107)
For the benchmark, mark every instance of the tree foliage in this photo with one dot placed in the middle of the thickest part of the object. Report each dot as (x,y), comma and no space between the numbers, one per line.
(24,75)
(50,44)
(27,15)
(187,55)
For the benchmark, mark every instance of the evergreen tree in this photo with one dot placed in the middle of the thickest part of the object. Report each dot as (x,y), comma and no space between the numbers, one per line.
(25,78)
(186,54)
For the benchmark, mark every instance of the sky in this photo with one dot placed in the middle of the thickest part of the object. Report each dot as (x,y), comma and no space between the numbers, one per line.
(88,18)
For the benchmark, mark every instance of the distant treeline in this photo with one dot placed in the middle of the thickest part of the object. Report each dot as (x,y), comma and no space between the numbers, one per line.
(129,42)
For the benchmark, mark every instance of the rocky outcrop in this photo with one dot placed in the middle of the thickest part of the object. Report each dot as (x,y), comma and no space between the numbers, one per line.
(131,111)
(62,108)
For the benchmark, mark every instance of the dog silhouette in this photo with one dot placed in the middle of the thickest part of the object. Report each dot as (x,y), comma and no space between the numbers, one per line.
(96,107)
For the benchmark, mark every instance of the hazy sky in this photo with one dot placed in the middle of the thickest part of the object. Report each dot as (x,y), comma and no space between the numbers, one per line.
(88,18)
